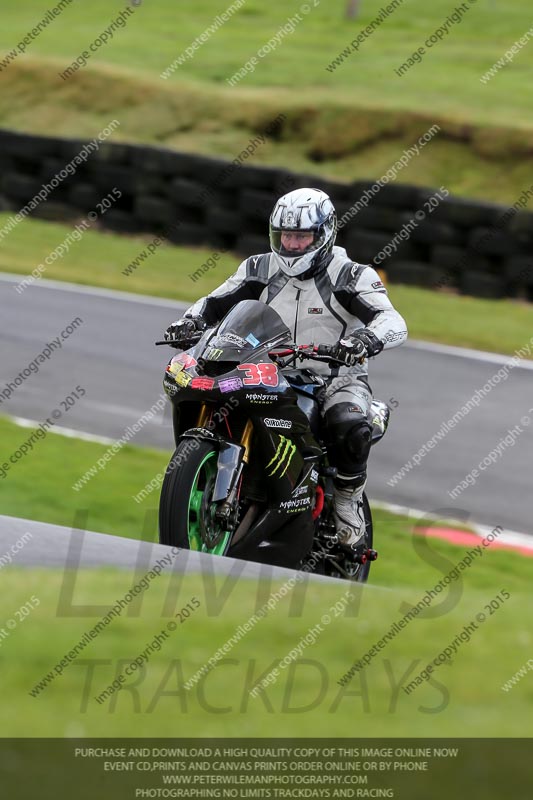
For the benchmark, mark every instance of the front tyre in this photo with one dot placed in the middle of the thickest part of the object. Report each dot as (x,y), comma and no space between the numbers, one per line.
(186,511)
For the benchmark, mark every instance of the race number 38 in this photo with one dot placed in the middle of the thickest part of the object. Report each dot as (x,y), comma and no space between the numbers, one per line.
(257,374)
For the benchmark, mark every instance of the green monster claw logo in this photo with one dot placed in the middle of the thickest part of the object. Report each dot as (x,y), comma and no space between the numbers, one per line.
(286,450)
(214,354)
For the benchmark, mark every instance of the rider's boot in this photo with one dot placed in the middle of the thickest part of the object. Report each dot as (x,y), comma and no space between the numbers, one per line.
(348,514)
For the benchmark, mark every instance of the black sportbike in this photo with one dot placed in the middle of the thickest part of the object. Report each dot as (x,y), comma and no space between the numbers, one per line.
(250,476)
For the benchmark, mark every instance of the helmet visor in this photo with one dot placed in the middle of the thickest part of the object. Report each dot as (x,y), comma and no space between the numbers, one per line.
(294,242)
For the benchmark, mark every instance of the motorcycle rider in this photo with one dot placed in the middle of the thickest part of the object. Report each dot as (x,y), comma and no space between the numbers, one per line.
(323,296)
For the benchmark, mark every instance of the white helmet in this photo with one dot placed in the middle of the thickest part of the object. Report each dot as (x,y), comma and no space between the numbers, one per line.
(304,210)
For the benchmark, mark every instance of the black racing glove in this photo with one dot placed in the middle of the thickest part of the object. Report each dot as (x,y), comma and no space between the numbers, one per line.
(358,345)
(183,329)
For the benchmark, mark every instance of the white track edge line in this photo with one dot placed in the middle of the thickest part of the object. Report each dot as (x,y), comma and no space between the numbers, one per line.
(71,433)
(465,352)
(508,537)
(79,288)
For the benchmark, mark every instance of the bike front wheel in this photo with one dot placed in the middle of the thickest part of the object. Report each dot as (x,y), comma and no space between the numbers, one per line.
(186,510)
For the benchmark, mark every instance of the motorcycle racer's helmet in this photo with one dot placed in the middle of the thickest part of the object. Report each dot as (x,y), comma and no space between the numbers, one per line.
(303,227)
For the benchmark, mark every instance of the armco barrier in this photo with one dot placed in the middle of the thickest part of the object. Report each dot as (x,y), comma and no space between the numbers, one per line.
(469,246)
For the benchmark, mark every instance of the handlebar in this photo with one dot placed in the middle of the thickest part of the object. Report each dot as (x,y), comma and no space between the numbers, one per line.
(182,343)
(322,350)
(310,352)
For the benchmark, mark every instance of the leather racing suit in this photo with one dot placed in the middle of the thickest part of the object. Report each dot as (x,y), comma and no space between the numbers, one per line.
(342,297)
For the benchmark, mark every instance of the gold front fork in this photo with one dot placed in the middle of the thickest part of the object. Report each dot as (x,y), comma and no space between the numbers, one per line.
(246,440)
(203,416)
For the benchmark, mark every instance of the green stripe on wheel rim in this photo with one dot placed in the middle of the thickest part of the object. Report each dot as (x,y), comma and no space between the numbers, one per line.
(195,504)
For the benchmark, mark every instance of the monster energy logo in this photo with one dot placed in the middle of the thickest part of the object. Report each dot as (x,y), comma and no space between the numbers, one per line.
(283,455)
(214,354)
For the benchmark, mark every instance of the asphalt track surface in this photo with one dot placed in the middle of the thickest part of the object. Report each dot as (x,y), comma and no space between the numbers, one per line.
(113,357)
(53,546)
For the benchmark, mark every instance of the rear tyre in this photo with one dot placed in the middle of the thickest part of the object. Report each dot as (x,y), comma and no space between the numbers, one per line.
(186,511)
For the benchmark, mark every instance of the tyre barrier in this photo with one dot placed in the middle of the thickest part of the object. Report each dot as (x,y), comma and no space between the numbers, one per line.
(473,247)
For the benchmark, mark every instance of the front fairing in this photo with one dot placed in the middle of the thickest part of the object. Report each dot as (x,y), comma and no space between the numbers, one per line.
(251,324)
(230,366)
(233,358)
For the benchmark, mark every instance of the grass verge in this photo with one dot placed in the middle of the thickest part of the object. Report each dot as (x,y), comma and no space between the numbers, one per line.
(306,695)
(40,486)
(341,139)
(99,258)
(448,79)
(305,698)
(351,120)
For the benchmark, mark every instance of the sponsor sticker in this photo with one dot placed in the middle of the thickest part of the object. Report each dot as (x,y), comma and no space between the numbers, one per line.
(169,385)
(299,491)
(356,409)
(277,423)
(182,379)
(282,457)
(202,383)
(378,285)
(290,219)
(230,384)
(295,505)
(262,398)
(187,360)
(379,421)
(173,368)
(315,310)
(257,374)
(201,432)
(252,340)
(214,353)
(393,337)
(232,338)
